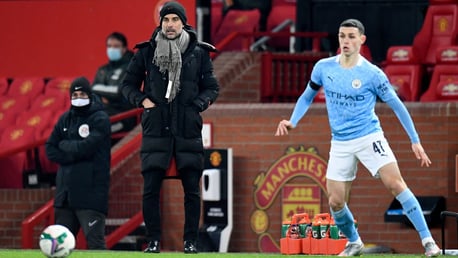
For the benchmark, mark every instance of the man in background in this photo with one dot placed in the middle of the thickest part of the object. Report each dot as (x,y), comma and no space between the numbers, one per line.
(107,81)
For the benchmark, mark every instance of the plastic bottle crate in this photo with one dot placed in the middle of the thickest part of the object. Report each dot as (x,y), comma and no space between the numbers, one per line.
(291,246)
(306,244)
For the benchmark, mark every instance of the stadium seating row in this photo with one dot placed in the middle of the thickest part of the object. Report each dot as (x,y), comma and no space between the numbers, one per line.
(29,109)
(27,102)
(432,55)
(14,166)
(248,21)
(31,87)
(406,75)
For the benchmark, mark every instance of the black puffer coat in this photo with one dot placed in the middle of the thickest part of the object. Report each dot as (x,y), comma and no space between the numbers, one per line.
(172,129)
(83,178)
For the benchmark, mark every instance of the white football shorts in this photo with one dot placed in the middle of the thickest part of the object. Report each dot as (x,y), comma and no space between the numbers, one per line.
(372,150)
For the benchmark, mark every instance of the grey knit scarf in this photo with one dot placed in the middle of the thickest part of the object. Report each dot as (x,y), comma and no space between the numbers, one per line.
(167,57)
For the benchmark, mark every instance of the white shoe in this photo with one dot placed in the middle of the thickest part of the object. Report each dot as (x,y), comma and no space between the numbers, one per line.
(432,250)
(352,249)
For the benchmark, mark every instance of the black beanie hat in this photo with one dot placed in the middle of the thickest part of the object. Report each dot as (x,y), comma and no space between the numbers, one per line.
(176,8)
(81,84)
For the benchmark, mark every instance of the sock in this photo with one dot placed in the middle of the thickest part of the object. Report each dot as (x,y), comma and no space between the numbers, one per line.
(346,223)
(426,240)
(413,211)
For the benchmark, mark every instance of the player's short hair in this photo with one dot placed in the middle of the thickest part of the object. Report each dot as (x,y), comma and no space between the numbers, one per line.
(353,23)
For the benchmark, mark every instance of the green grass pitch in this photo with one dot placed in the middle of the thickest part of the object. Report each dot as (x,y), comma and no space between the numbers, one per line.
(124,254)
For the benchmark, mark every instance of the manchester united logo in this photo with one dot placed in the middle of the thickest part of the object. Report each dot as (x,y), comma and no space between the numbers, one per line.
(215,158)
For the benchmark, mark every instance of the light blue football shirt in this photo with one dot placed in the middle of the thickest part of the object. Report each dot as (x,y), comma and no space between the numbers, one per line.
(351,95)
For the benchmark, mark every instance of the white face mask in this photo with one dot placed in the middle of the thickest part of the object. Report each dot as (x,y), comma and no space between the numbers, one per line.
(80,102)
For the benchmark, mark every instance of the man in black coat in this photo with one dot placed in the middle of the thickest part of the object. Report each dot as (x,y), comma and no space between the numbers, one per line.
(81,144)
(178,84)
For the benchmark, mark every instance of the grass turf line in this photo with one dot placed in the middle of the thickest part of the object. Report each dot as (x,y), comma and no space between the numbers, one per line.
(17,253)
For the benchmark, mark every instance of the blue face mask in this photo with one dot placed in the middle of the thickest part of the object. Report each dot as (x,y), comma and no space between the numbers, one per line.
(114,54)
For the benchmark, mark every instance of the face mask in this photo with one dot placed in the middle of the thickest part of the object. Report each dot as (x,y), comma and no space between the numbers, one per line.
(114,54)
(80,102)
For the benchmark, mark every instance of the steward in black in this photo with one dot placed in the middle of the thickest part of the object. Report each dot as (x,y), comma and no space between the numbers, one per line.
(81,144)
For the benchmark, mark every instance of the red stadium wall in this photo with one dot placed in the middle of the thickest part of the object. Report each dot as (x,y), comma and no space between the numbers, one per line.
(249,129)
(67,38)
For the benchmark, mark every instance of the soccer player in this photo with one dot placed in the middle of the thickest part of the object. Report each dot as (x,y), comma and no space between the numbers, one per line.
(352,85)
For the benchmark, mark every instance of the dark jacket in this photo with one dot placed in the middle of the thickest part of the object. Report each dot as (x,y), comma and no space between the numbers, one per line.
(110,76)
(83,178)
(172,129)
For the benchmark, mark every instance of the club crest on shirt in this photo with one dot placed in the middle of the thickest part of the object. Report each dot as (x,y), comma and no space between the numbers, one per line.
(356,83)
(84,130)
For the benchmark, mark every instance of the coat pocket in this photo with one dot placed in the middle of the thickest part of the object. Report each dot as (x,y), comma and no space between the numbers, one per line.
(152,121)
(192,123)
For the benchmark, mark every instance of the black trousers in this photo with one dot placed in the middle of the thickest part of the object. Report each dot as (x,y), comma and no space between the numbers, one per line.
(151,211)
(92,222)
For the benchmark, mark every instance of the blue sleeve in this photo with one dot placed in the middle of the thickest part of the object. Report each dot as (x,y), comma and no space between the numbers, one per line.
(404,117)
(302,104)
(383,87)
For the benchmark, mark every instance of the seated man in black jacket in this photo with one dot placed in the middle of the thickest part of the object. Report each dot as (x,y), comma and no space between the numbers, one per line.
(108,80)
(81,144)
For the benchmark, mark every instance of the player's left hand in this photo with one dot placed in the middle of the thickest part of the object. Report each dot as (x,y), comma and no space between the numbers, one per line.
(283,127)
(420,154)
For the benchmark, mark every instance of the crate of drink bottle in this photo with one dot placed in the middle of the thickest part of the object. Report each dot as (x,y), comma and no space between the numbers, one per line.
(293,234)
(319,236)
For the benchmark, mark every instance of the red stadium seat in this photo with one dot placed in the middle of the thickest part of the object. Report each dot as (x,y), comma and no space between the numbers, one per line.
(12,169)
(444,82)
(440,28)
(13,166)
(52,101)
(15,136)
(6,119)
(3,86)
(59,85)
(447,90)
(38,120)
(28,87)
(14,105)
(240,21)
(404,73)
(282,10)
